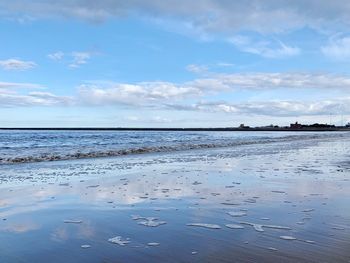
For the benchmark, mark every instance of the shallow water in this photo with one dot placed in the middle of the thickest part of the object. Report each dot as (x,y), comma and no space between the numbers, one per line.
(296,191)
(38,146)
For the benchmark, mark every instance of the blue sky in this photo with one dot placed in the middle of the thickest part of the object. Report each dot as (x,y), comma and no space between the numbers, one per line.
(173,63)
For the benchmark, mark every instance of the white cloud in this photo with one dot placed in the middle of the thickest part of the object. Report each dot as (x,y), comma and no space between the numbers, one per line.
(196,68)
(79,58)
(14,94)
(16,64)
(224,64)
(264,48)
(74,59)
(338,49)
(32,99)
(185,96)
(135,94)
(271,108)
(205,15)
(56,56)
(12,85)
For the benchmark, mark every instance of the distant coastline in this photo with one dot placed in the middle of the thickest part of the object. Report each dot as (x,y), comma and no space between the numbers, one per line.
(247,129)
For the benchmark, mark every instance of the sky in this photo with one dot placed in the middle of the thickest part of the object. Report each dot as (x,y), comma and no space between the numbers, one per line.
(167,63)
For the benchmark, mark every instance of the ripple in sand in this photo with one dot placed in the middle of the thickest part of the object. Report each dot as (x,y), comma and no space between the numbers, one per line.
(229,203)
(272,249)
(259,227)
(278,192)
(288,238)
(338,228)
(310,241)
(211,226)
(153,244)
(69,221)
(237,213)
(93,186)
(308,210)
(119,241)
(234,226)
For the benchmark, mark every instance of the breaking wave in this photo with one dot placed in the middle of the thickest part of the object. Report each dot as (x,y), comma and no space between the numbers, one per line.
(48,154)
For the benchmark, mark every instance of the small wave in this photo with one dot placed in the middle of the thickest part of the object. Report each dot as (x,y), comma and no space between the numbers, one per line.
(142,150)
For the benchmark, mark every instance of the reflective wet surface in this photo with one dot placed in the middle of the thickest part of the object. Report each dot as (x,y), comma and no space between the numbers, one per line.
(278,202)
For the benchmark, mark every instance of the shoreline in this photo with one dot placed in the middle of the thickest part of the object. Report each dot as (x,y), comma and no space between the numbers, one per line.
(165,149)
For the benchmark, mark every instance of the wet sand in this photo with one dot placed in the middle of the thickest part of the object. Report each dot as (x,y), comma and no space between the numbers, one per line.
(279,202)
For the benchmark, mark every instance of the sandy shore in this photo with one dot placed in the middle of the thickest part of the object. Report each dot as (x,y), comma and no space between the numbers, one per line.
(281,202)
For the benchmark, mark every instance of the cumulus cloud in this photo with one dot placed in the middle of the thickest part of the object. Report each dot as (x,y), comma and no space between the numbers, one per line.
(210,15)
(79,58)
(73,59)
(17,64)
(12,95)
(136,94)
(185,96)
(12,85)
(337,48)
(32,99)
(195,95)
(196,68)
(264,48)
(271,108)
(56,56)
(206,15)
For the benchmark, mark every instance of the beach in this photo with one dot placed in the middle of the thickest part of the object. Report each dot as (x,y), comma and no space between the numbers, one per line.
(268,197)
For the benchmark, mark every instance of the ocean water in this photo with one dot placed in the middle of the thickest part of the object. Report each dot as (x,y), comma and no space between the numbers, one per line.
(36,146)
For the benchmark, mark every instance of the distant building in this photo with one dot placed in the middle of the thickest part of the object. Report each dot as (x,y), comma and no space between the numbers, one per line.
(296,125)
(321,125)
(313,126)
(242,126)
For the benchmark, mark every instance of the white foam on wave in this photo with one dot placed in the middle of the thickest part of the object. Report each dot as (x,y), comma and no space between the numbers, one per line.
(237,213)
(119,241)
(148,221)
(85,246)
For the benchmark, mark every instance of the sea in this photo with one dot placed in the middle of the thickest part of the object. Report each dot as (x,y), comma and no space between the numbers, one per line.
(18,146)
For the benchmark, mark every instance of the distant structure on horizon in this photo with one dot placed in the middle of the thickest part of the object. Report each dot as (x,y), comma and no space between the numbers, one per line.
(242,126)
(297,125)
